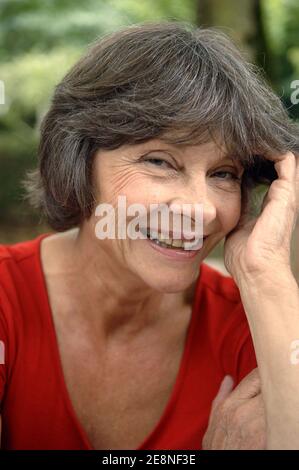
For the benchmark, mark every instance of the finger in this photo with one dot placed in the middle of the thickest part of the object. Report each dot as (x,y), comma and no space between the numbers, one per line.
(283,189)
(265,201)
(249,387)
(277,156)
(241,426)
(286,167)
(249,410)
(256,407)
(215,434)
(225,389)
(247,428)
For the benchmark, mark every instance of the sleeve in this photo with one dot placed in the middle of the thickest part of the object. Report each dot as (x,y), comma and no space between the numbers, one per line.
(3,358)
(245,360)
(237,353)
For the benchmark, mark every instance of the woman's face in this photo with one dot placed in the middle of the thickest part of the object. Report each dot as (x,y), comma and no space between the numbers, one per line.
(157,172)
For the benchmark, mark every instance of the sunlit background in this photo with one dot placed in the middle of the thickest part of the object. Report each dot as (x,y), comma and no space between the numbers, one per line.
(41,39)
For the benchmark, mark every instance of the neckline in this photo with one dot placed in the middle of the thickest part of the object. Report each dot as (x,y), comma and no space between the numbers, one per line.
(174,395)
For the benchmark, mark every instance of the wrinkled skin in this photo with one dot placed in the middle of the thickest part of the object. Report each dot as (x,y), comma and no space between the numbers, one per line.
(237,420)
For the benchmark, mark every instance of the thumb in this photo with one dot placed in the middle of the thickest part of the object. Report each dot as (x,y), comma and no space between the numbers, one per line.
(225,389)
(249,387)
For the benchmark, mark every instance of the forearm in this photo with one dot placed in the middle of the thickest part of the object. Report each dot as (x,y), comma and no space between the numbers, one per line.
(272,308)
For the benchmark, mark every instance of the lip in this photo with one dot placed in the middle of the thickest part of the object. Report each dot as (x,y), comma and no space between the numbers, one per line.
(178,255)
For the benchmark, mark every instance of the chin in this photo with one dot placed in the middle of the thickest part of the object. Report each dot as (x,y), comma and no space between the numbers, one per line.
(173,283)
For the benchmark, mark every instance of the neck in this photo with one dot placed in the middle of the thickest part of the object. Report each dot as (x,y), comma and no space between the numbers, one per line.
(117,301)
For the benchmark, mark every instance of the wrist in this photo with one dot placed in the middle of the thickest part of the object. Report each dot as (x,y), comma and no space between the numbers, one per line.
(268,282)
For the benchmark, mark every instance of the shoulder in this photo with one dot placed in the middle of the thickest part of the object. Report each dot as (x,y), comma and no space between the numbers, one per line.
(12,257)
(18,276)
(20,288)
(19,268)
(17,252)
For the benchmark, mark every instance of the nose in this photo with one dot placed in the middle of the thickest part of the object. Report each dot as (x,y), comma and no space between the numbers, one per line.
(193,196)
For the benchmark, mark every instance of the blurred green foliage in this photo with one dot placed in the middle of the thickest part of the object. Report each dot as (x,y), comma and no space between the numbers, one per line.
(41,39)
(282,24)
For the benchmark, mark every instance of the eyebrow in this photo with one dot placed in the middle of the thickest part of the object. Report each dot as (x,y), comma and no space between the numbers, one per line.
(228,157)
(172,147)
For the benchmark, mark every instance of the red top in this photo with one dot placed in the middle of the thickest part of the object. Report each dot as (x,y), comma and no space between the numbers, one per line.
(36,409)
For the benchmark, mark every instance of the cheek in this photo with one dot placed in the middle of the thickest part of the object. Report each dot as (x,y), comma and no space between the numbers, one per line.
(229,211)
(112,182)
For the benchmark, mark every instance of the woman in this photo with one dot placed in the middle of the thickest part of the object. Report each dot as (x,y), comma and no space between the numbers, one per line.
(122,343)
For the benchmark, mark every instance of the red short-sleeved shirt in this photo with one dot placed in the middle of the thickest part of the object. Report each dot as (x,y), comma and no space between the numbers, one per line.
(36,409)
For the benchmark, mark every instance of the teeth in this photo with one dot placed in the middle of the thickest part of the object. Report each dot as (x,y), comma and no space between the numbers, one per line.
(169,242)
(158,237)
(154,235)
(178,243)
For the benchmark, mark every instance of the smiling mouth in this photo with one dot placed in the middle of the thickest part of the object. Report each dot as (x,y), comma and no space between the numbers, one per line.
(172,243)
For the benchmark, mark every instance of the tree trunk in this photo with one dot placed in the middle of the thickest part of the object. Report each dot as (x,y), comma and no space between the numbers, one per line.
(241,20)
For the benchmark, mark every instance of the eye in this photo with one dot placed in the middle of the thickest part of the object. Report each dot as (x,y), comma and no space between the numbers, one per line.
(158,162)
(226,175)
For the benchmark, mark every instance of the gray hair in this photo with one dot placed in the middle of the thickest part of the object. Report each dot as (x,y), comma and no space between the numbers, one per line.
(162,80)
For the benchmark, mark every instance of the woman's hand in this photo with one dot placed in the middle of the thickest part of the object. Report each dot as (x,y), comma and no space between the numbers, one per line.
(257,254)
(262,245)
(237,419)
